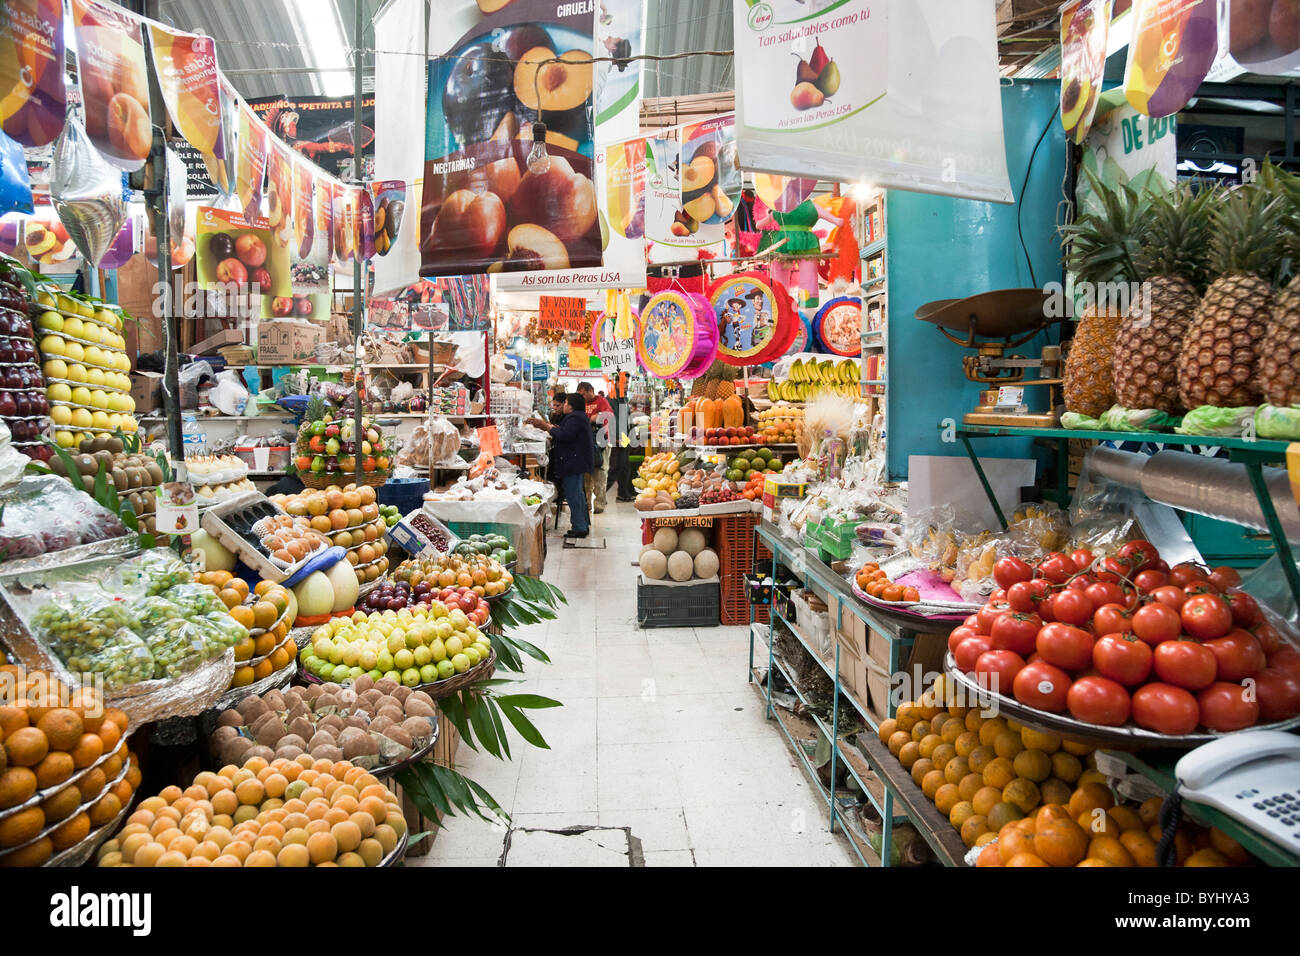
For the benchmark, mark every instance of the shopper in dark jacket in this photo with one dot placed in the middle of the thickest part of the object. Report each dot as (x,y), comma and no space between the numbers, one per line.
(572,457)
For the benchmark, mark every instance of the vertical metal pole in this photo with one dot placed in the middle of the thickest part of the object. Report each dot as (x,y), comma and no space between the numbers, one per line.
(358,272)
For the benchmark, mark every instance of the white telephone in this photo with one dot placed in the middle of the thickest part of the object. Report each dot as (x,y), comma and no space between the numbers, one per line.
(1253,776)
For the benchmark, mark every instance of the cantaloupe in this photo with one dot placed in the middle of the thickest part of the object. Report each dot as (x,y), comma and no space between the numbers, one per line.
(666,540)
(680,566)
(346,586)
(692,541)
(654,565)
(706,563)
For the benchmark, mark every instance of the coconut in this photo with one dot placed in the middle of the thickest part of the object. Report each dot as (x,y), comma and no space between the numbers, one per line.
(287,751)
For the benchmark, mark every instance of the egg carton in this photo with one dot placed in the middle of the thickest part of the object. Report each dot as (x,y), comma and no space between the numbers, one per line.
(214,523)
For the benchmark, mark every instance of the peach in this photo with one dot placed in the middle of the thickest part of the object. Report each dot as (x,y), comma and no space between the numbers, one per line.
(563,199)
(468,225)
(128,126)
(533,247)
(1248,24)
(1284,25)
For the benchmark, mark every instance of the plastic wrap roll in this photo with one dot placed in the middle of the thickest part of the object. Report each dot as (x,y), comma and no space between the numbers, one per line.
(1121,467)
(1218,489)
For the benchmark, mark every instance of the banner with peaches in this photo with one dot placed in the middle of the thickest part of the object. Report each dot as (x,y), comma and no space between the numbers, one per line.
(186,65)
(114,82)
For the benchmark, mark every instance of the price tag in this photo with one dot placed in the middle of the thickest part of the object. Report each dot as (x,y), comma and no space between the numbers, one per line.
(1010,397)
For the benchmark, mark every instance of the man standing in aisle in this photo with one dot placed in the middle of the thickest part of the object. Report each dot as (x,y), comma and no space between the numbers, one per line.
(601,414)
(572,458)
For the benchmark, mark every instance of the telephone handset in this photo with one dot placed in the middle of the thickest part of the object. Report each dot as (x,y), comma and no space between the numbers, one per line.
(1253,776)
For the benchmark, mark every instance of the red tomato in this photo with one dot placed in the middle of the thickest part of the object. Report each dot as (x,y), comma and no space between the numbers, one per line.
(1113,570)
(1148,580)
(1043,686)
(1016,632)
(999,596)
(1245,612)
(1009,570)
(1165,709)
(1238,655)
(1269,639)
(959,634)
(969,650)
(1139,554)
(1278,694)
(1098,700)
(1206,616)
(1201,586)
(1112,619)
(989,613)
(1175,597)
(1122,657)
(1065,646)
(1287,658)
(1081,582)
(1082,558)
(1224,577)
(1057,567)
(1225,706)
(972,620)
(997,670)
(1072,607)
(1184,574)
(1106,592)
(1162,566)
(1157,622)
(1185,664)
(1024,597)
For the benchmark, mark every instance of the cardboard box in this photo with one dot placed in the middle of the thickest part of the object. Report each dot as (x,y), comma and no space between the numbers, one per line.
(212,343)
(146,390)
(878,686)
(286,342)
(853,672)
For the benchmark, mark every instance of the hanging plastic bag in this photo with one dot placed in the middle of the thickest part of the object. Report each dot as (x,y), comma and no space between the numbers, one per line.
(229,394)
(87,193)
(15,186)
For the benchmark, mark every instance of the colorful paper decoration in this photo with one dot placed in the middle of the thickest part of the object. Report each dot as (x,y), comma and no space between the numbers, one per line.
(838,325)
(678,336)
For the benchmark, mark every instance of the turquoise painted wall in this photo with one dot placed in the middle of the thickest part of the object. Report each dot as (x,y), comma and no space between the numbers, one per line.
(942,248)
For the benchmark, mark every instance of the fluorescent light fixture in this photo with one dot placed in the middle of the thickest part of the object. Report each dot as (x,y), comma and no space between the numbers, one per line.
(319,23)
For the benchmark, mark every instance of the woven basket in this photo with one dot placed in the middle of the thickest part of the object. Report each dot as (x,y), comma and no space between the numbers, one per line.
(483,670)
(374,479)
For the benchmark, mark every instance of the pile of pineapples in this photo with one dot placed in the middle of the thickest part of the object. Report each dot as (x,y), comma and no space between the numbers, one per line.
(1223,323)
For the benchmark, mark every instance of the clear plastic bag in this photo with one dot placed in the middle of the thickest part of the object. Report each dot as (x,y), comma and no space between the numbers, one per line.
(1101,511)
(194,600)
(177,646)
(124,660)
(1036,529)
(153,572)
(1221,422)
(44,514)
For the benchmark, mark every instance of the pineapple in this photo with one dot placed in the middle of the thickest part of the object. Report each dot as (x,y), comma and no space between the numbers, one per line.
(1101,248)
(1173,264)
(1219,361)
(1279,364)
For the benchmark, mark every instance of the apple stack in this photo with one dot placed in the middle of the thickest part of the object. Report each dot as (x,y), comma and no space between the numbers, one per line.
(85,366)
(22,395)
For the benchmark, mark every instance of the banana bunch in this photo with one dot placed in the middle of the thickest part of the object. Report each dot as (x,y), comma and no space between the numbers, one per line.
(811,376)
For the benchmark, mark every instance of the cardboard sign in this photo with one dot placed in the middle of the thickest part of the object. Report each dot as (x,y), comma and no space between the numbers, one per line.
(489,441)
(559,313)
(579,357)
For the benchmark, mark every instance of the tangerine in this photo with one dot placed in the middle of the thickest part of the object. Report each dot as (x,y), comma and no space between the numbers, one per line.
(1060,842)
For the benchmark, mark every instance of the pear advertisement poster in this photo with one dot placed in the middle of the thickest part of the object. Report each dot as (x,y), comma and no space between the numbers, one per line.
(493,199)
(1084,27)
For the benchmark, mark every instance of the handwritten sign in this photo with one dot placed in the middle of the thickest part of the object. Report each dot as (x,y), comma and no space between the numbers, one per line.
(560,313)
(489,441)
(579,357)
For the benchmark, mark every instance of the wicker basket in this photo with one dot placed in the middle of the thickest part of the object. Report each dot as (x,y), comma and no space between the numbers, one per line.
(374,479)
(483,670)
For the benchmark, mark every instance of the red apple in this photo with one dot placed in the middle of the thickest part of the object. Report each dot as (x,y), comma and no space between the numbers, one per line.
(302,305)
(281,306)
(262,278)
(250,249)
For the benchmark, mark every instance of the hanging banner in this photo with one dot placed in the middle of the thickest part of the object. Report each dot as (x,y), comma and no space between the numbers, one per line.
(903,95)
(673,232)
(323,246)
(1174,43)
(1126,147)
(388,200)
(345,224)
(625,188)
(279,193)
(33,99)
(1084,28)
(617,334)
(233,249)
(320,128)
(12,229)
(620,25)
(114,82)
(1260,43)
(221,170)
(399,133)
(186,65)
(251,165)
(310,256)
(485,207)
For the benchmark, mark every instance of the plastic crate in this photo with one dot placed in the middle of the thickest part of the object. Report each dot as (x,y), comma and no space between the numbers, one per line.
(406,494)
(686,605)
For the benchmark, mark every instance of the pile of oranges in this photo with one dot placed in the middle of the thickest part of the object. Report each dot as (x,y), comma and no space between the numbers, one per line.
(64,766)
(268,614)
(300,812)
(483,575)
(876,583)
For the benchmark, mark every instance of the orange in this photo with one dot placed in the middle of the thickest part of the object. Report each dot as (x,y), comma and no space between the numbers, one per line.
(62,728)
(1229,847)
(973,827)
(946,797)
(985,799)
(1093,861)
(26,747)
(264,644)
(943,754)
(54,769)
(999,773)
(930,784)
(1110,850)
(1023,793)
(1149,811)
(21,826)
(72,832)
(1054,791)
(1060,842)
(960,813)
(989,856)
(1207,857)
(263,669)
(1051,811)
(1013,841)
(1027,859)
(338,519)
(1139,846)
(980,757)
(1089,797)
(1066,766)
(243,616)
(17,784)
(109,736)
(34,854)
(1126,817)
(105,809)
(264,614)
(955,770)
(969,786)
(230,598)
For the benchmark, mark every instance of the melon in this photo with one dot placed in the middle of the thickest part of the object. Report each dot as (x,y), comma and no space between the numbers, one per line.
(706,563)
(680,566)
(692,541)
(315,595)
(666,540)
(345,584)
(215,555)
(654,565)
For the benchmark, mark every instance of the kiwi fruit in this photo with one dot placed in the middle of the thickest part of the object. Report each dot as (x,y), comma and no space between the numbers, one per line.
(86,465)
(119,478)
(58,467)
(155,473)
(114,445)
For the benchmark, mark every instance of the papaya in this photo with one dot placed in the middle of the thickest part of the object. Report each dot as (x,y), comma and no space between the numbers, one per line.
(687,417)
(708,413)
(732,412)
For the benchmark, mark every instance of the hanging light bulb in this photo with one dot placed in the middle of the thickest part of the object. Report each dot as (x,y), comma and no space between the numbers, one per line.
(539,160)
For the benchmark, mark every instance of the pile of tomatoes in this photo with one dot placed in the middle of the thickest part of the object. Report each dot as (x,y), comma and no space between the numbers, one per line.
(1128,637)
(873,581)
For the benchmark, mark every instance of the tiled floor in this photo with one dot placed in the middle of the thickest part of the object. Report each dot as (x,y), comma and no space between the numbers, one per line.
(659,733)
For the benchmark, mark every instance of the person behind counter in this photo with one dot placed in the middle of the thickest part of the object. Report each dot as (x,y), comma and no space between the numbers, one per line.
(572,456)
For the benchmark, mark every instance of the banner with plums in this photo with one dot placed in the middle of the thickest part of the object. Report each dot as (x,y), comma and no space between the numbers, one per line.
(233,249)
(491,201)
(114,82)
(34,102)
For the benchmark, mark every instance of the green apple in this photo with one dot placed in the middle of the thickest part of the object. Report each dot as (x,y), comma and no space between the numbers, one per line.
(325,671)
